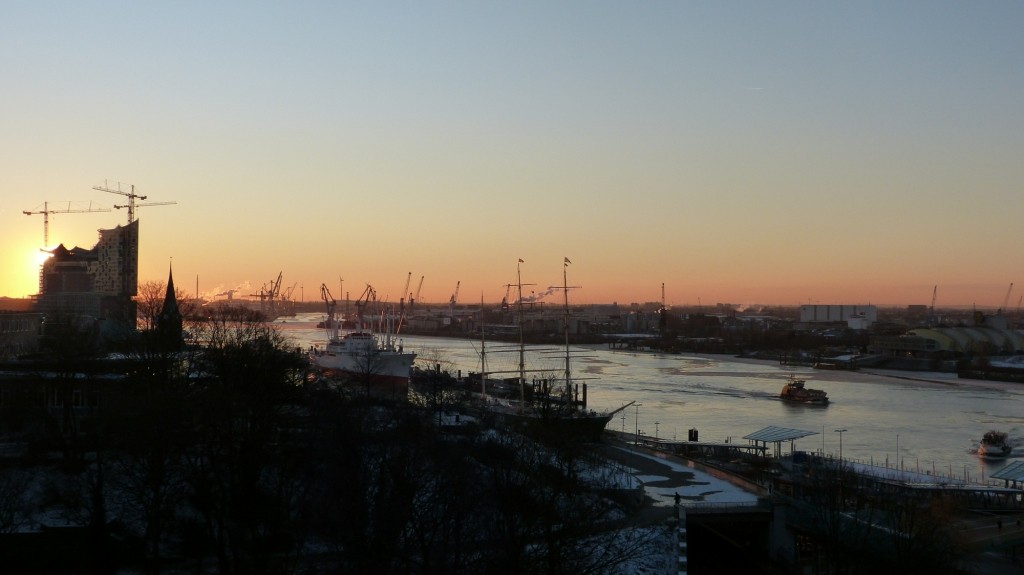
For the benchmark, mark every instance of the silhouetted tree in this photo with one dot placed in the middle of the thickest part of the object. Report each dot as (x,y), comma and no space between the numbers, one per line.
(247,382)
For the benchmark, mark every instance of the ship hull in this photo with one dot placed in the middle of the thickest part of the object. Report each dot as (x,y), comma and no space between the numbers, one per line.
(576,427)
(382,365)
(362,354)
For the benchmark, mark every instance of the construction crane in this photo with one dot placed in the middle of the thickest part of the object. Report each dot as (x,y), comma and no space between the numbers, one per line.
(132,196)
(46,211)
(1006,300)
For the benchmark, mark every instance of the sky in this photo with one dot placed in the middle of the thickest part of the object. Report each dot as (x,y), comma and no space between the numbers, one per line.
(778,153)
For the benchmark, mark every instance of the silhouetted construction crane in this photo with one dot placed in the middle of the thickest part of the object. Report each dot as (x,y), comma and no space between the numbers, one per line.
(132,196)
(1006,300)
(46,211)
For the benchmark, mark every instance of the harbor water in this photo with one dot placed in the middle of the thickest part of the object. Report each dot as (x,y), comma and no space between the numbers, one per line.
(921,421)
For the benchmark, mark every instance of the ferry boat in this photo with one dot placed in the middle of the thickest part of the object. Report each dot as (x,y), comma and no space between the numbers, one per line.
(794,391)
(994,444)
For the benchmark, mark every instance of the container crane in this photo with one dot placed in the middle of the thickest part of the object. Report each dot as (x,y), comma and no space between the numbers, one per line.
(46,211)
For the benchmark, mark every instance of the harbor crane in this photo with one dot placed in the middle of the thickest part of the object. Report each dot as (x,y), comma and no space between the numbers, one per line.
(455,296)
(401,301)
(325,294)
(288,292)
(132,197)
(932,318)
(1006,300)
(405,292)
(46,211)
(369,295)
(416,298)
(454,300)
(269,296)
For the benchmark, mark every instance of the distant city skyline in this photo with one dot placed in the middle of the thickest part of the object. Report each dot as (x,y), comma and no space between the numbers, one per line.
(746,153)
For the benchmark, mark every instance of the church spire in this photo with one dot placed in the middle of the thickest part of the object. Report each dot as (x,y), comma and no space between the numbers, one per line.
(169,322)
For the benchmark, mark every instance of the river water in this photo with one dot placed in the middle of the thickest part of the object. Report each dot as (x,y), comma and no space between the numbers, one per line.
(933,421)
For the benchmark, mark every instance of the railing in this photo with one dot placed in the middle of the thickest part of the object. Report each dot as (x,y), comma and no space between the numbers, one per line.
(703,507)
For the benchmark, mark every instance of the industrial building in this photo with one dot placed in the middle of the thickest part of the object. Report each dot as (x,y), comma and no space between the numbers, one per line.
(855,316)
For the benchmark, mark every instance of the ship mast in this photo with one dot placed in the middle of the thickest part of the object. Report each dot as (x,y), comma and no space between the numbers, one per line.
(483,353)
(565,293)
(522,356)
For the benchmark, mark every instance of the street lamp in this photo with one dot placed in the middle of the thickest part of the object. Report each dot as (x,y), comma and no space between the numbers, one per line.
(841,432)
(655,430)
(637,421)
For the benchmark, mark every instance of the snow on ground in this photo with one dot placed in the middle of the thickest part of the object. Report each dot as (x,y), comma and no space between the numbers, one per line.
(699,487)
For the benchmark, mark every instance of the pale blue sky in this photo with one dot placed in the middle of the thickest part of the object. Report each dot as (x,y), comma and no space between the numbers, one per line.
(749,152)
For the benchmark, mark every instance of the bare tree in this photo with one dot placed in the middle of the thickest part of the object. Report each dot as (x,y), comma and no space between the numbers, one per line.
(149,301)
(239,469)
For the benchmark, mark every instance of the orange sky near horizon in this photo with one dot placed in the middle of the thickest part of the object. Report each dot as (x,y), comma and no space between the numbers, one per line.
(226,267)
(743,153)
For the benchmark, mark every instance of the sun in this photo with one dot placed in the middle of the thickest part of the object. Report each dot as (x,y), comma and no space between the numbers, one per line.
(39,258)
(23,265)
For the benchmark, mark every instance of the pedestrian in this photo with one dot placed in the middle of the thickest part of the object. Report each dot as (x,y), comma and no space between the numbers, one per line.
(677,498)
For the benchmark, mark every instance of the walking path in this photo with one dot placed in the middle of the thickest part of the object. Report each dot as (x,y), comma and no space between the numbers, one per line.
(665,476)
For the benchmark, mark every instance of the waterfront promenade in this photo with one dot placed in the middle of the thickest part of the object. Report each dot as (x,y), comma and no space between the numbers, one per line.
(991,533)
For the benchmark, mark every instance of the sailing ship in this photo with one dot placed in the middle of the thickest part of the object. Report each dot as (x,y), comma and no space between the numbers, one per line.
(548,409)
(363,355)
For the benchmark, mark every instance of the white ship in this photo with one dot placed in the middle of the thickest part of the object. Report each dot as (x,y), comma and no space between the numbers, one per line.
(363,355)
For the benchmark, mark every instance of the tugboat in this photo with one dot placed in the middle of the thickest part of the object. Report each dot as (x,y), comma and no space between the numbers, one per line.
(994,444)
(795,392)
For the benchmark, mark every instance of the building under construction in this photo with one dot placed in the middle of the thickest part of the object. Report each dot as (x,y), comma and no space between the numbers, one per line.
(98,283)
